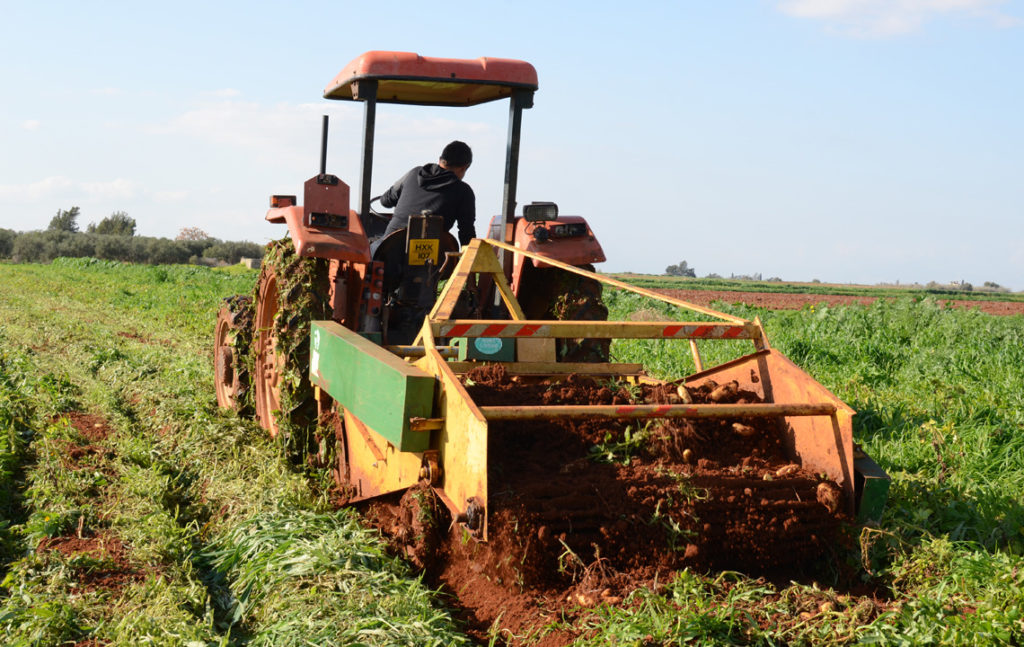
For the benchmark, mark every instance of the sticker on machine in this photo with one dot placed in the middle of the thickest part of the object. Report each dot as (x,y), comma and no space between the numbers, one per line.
(314,355)
(487,345)
(422,250)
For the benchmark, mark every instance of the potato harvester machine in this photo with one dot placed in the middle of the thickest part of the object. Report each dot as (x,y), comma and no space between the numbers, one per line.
(406,416)
(340,330)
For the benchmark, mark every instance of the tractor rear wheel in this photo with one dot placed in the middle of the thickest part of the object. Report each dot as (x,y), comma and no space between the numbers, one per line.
(551,293)
(292,291)
(231,353)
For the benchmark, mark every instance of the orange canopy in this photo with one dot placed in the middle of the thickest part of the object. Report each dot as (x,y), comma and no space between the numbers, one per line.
(405,77)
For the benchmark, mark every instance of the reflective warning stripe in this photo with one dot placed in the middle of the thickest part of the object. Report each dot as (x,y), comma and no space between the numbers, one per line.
(455,331)
(653,412)
(493,330)
(514,329)
(703,332)
(528,330)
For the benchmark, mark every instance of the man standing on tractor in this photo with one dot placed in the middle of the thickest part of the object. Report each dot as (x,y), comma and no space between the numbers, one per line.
(438,188)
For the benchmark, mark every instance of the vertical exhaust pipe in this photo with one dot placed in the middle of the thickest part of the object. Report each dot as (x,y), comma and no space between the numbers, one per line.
(323,149)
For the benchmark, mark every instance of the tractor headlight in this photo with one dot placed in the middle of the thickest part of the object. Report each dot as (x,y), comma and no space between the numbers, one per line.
(540,211)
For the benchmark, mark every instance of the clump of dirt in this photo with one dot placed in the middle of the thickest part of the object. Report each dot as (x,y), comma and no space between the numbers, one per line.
(135,336)
(93,428)
(87,454)
(583,511)
(415,524)
(99,562)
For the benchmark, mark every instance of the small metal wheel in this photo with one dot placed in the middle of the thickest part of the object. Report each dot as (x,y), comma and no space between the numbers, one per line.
(430,471)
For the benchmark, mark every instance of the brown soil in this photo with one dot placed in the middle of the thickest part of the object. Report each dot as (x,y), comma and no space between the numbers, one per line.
(78,457)
(94,428)
(128,334)
(582,512)
(778,301)
(98,559)
(107,567)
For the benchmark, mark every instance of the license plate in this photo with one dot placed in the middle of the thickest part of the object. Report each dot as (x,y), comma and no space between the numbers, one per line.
(423,250)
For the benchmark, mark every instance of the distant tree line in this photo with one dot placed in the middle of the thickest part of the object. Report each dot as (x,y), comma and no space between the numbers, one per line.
(682,269)
(114,239)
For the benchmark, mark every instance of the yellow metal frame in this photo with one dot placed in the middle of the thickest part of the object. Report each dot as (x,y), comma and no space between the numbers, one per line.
(816,424)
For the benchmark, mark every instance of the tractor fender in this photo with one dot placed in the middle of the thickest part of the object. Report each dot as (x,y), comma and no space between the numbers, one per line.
(574,250)
(324,227)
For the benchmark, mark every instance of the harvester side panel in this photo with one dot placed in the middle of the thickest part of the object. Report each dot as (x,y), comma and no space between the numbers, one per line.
(822,443)
(376,467)
(379,388)
(463,442)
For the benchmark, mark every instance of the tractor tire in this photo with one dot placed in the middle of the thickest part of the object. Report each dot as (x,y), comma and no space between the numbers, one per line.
(232,340)
(291,292)
(551,293)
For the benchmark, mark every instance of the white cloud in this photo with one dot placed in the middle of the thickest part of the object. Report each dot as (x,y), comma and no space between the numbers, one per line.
(244,124)
(879,18)
(169,196)
(34,191)
(62,188)
(285,134)
(30,124)
(119,188)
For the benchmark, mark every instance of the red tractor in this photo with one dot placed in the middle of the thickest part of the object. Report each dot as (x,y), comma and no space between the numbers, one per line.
(325,268)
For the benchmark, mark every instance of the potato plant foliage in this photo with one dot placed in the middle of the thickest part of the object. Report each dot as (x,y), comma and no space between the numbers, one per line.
(227,542)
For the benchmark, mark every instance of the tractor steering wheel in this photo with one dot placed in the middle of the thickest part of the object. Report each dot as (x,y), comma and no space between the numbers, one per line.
(379,214)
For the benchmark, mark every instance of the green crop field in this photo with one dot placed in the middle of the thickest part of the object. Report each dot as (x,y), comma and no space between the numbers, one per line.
(658,282)
(200,532)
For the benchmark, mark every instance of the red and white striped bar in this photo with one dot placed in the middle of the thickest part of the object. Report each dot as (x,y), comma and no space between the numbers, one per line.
(593,329)
(620,412)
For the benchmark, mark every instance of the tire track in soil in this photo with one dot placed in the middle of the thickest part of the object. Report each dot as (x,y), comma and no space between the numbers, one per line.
(111,568)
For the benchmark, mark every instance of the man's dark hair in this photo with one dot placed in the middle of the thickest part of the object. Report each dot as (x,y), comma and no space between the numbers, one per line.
(457,154)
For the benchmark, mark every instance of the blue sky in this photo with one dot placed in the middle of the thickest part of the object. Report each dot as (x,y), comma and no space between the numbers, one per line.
(842,140)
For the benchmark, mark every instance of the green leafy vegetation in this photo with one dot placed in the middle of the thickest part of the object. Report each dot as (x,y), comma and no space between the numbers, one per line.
(960,291)
(136,512)
(940,408)
(148,516)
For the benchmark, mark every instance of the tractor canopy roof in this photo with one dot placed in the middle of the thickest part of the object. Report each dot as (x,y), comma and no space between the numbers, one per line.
(405,77)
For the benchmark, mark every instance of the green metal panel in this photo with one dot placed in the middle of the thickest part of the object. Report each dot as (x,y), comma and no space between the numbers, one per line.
(873,488)
(378,387)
